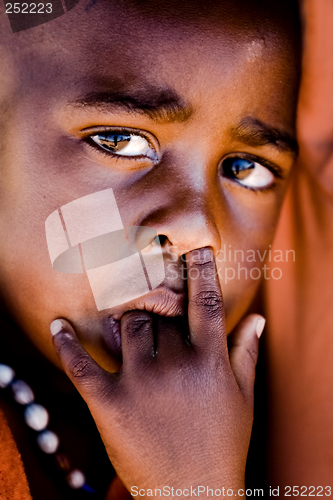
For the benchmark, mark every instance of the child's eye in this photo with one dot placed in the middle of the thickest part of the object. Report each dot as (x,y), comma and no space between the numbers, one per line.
(126,144)
(247,173)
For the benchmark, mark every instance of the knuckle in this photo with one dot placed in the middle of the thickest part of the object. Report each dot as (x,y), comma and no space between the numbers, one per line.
(252,354)
(209,300)
(202,262)
(77,365)
(79,368)
(138,325)
(205,270)
(203,257)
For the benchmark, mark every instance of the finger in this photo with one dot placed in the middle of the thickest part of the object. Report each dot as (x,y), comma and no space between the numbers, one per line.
(205,310)
(243,352)
(171,336)
(137,339)
(92,382)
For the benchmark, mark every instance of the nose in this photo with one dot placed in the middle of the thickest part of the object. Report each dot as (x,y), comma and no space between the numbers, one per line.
(189,231)
(186,212)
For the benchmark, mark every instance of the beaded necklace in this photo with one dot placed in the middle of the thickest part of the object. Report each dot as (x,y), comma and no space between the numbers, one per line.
(37,418)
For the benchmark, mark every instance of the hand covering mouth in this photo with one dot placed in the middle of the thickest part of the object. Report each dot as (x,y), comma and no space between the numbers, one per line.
(161,301)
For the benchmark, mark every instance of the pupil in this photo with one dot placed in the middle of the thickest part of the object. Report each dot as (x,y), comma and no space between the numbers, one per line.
(114,142)
(238,168)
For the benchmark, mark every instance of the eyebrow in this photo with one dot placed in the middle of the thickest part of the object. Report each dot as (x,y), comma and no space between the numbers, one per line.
(165,106)
(254,132)
(157,104)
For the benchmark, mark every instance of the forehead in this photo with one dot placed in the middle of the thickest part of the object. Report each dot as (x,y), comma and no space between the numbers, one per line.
(152,47)
(106,33)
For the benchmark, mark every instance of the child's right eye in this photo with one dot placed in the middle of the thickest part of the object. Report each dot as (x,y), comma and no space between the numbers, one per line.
(124,144)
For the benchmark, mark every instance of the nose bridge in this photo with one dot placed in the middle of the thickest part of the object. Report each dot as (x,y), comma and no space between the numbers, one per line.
(194,227)
(189,219)
(184,201)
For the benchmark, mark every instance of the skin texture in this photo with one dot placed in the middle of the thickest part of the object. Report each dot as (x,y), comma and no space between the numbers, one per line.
(224,73)
(156,430)
(45,162)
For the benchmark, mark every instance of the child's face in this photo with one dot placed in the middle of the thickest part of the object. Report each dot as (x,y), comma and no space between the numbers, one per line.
(196,94)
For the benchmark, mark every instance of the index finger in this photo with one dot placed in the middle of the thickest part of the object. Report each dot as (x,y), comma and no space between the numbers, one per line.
(205,308)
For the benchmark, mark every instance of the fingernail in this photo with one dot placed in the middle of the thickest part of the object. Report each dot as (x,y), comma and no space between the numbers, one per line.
(260,326)
(56,326)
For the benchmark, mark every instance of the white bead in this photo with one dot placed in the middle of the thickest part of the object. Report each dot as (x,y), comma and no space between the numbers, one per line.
(36,417)
(22,393)
(7,374)
(76,479)
(48,442)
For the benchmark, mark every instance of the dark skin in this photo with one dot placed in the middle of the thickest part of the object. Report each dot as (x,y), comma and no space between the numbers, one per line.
(197,91)
(149,414)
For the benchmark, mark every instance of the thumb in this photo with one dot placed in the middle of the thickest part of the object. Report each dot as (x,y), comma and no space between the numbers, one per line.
(90,379)
(243,352)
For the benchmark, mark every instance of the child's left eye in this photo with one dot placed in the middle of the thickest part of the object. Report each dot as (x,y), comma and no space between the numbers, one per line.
(247,173)
(124,144)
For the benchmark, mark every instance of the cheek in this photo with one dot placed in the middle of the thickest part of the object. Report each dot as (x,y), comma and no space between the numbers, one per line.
(245,257)
(35,184)
(239,281)
(34,294)
(32,291)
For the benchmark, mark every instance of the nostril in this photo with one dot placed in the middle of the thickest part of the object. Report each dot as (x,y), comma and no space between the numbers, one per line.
(160,239)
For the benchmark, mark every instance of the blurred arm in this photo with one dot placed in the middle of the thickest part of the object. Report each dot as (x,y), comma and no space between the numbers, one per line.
(315,114)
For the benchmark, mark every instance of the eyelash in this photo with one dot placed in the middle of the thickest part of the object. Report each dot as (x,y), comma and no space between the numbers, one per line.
(276,171)
(88,140)
(267,189)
